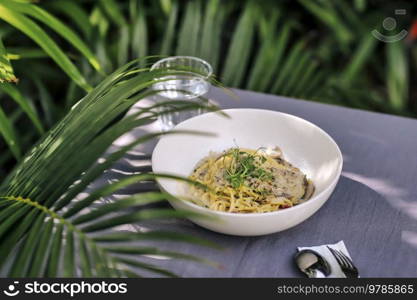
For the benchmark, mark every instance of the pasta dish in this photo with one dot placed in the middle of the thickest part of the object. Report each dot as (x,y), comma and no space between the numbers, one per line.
(249,181)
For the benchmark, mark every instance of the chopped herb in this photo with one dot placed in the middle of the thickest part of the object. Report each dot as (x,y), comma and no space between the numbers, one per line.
(245,166)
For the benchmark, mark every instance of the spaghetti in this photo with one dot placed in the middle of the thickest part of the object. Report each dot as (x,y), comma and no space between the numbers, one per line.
(248,181)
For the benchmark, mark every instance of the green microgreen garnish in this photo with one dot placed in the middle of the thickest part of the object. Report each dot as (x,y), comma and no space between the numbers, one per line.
(245,166)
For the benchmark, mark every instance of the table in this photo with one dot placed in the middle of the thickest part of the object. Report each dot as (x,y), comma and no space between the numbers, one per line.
(373,208)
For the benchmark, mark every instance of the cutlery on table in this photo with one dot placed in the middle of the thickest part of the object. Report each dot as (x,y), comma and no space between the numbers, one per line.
(345,263)
(312,264)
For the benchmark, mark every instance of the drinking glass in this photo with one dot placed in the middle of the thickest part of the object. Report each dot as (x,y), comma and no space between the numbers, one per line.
(188,84)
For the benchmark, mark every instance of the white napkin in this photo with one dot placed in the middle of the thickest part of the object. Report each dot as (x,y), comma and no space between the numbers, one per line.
(336,271)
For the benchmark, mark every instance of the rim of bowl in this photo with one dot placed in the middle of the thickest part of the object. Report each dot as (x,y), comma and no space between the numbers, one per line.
(298,206)
(202,61)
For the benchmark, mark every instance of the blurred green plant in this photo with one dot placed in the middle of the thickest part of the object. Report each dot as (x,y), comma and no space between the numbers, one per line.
(6,69)
(317,50)
(19,14)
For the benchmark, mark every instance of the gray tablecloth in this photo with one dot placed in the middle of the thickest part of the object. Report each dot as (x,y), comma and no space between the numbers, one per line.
(373,209)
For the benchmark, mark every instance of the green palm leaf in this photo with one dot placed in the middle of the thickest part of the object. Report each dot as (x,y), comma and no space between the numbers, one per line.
(169,34)
(86,265)
(329,17)
(55,24)
(69,255)
(76,13)
(12,213)
(50,110)
(305,79)
(111,8)
(53,262)
(123,45)
(155,251)
(268,59)
(155,236)
(237,57)
(303,63)
(288,67)
(24,104)
(32,30)
(42,250)
(211,33)
(143,215)
(9,135)
(397,75)
(190,30)
(24,256)
(16,53)
(139,199)
(19,231)
(66,227)
(6,69)
(360,57)
(139,34)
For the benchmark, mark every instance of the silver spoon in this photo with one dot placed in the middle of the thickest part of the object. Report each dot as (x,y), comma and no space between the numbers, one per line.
(312,264)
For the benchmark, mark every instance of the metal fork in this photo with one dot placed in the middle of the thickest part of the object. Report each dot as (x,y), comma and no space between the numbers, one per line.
(346,264)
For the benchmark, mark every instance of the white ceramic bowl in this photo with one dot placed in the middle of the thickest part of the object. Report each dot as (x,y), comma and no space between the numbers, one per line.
(303,144)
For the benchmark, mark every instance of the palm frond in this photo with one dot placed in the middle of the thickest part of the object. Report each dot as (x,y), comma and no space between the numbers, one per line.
(211,32)
(326,13)
(359,58)
(139,34)
(32,194)
(6,69)
(240,47)
(190,30)
(51,111)
(24,104)
(32,30)
(9,134)
(397,75)
(55,24)
(75,12)
(169,33)
(288,66)
(269,54)
(111,8)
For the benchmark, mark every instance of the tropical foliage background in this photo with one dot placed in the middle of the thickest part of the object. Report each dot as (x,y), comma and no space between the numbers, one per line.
(316,50)
(54,52)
